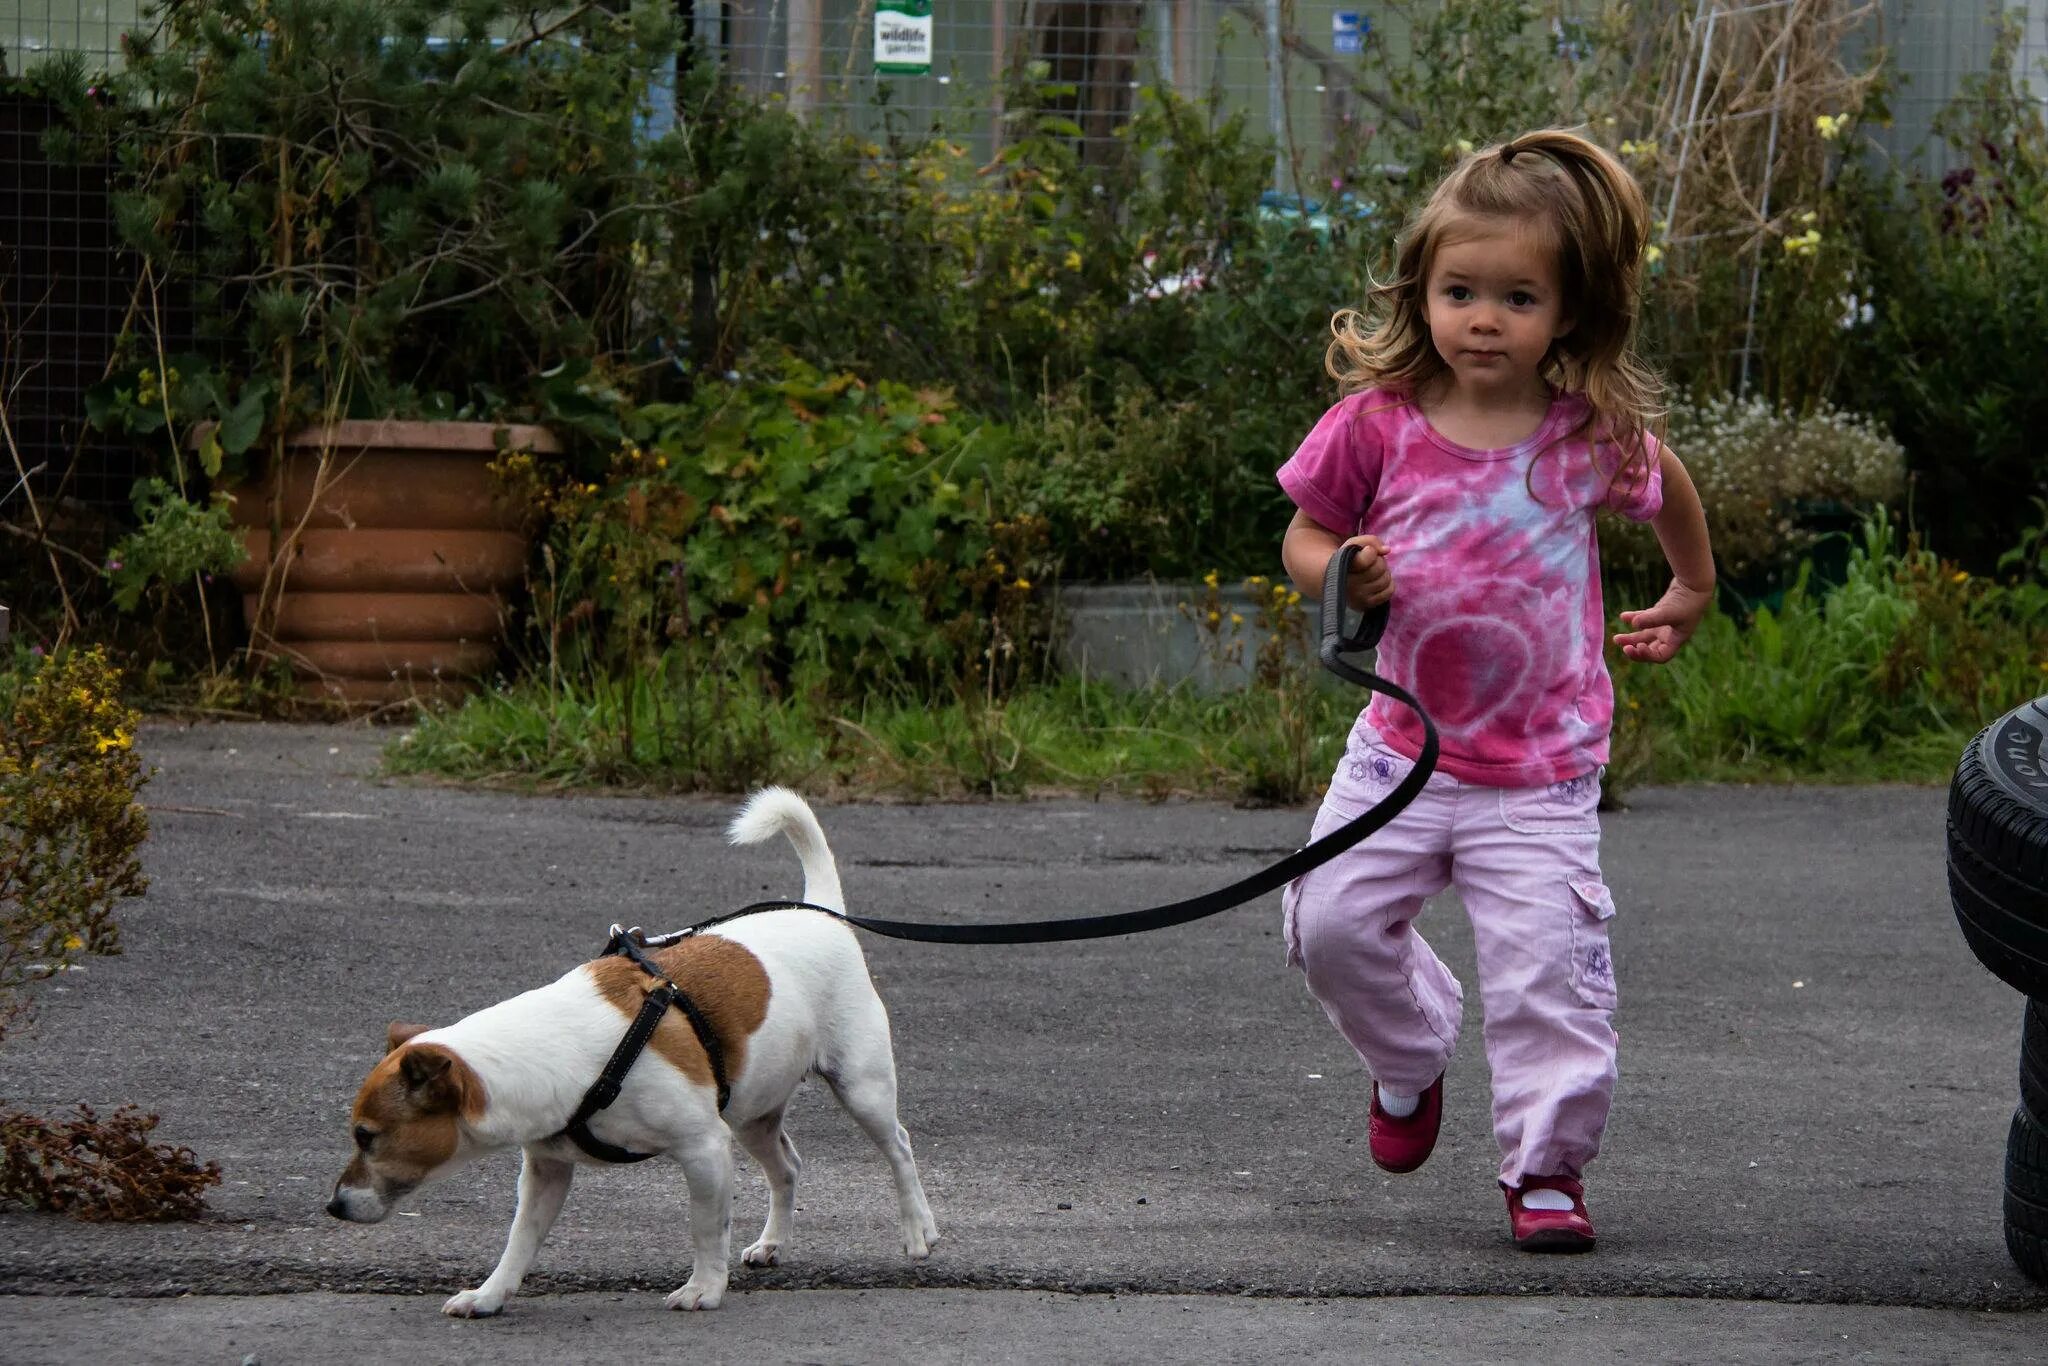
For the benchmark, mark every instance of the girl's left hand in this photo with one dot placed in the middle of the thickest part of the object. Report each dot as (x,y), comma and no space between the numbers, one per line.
(1659,632)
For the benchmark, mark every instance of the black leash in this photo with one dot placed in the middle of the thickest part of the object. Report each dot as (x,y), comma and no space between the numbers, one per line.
(1335,643)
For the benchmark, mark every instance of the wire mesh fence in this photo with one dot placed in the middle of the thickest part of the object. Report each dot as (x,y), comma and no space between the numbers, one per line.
(63,285)
(1307,72)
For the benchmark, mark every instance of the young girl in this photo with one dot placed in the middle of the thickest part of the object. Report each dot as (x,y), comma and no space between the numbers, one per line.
(1494,404)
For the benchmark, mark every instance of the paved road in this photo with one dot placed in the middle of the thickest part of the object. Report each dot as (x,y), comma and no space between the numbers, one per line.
(1816,1077)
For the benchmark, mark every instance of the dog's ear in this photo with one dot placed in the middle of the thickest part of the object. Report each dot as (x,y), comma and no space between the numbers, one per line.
(436,1083)
(399,1034)
(422,1067)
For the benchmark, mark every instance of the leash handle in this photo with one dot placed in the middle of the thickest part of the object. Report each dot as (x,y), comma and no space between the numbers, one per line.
(1336,598)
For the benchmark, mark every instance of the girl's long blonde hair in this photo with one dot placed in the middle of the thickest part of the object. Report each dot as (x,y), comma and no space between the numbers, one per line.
(1598,223)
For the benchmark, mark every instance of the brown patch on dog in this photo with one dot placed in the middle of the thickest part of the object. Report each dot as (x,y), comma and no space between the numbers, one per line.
(725,981)
(412,1101)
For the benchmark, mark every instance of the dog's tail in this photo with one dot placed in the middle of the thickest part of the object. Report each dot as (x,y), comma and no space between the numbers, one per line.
(777,810)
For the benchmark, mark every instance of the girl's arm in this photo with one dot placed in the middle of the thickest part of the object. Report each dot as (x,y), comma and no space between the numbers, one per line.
(1306,552)
(1658,632)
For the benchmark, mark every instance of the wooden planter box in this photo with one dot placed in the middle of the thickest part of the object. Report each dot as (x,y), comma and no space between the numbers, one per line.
(397,570)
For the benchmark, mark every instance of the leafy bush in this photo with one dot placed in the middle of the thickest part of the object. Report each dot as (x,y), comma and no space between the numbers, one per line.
(175,541)
(70,826)
(1763,472)
(831,532)
(1959,288)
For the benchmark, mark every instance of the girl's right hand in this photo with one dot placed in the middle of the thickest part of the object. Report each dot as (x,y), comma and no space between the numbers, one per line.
(1372,581)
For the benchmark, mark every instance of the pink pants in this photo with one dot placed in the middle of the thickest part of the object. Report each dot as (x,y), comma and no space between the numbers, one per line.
(1526,861)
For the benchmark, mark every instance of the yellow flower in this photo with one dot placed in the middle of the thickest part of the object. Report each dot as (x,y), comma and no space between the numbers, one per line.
(1646,148)
(73,942)
(1257,581)
(120,739)
(1073,261)
(1464,146)
(661,462)
(1024,584)
(1831,126)
(1805,244)
(1652,254)
(1237,618)
(1294,599)
(1960,576)
(1210,578)
(1215,617)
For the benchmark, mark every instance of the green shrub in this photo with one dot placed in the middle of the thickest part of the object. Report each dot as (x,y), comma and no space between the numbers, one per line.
(70,826)
(387,206)
(1959,287)
(831,532)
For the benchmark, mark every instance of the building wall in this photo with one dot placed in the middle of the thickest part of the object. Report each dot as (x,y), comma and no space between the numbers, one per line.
(1935,45)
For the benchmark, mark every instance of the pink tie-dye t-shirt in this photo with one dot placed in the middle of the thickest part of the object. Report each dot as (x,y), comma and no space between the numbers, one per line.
(1497,625)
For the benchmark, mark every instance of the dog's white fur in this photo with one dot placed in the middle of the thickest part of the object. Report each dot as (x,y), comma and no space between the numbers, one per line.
(536,1054)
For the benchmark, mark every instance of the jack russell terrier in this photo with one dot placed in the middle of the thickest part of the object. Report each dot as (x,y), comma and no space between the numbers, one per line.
(785,993)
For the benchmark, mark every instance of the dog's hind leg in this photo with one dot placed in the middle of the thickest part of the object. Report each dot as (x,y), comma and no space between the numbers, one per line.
(864,1079)
(707,1166)
(766,1139)
(543,1185)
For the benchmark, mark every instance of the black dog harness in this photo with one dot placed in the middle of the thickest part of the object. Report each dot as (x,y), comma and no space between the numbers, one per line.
(613,1079)
(633,943)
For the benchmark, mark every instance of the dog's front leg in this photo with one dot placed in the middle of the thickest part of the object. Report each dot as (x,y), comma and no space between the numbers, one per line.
(543,1185)
(707,1166)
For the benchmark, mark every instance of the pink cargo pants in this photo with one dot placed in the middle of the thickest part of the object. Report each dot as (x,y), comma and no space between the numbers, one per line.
(1526,862)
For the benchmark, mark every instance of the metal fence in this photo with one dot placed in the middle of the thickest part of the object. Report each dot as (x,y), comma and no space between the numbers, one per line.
(59,273)
(1302,69)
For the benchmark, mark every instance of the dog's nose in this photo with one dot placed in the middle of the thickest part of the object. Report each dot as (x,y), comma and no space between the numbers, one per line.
(336,1208)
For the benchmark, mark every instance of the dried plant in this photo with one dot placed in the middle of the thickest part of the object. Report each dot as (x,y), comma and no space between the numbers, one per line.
(1737,120)
(99,1169)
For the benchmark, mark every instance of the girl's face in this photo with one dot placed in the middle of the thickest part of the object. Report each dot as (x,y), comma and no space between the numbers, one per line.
(1494,304)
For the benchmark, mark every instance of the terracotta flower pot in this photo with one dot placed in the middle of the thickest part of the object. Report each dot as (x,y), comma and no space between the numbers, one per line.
(397,567)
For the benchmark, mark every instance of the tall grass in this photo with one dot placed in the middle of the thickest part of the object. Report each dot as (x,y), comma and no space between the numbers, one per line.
(1881,678)
(688,735)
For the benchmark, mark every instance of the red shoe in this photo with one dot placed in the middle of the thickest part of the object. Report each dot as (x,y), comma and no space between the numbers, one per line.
(1402,1145)
(1551,1230)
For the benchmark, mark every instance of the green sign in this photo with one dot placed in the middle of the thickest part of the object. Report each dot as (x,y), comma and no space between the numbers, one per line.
(903,37)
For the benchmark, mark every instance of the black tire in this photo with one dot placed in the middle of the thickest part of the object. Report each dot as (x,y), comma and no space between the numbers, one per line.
(2026,1196)
(1998,847)
(2034,1063)
(2007,940)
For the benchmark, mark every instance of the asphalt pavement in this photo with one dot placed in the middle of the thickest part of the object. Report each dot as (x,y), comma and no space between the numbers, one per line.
(1139,1148)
